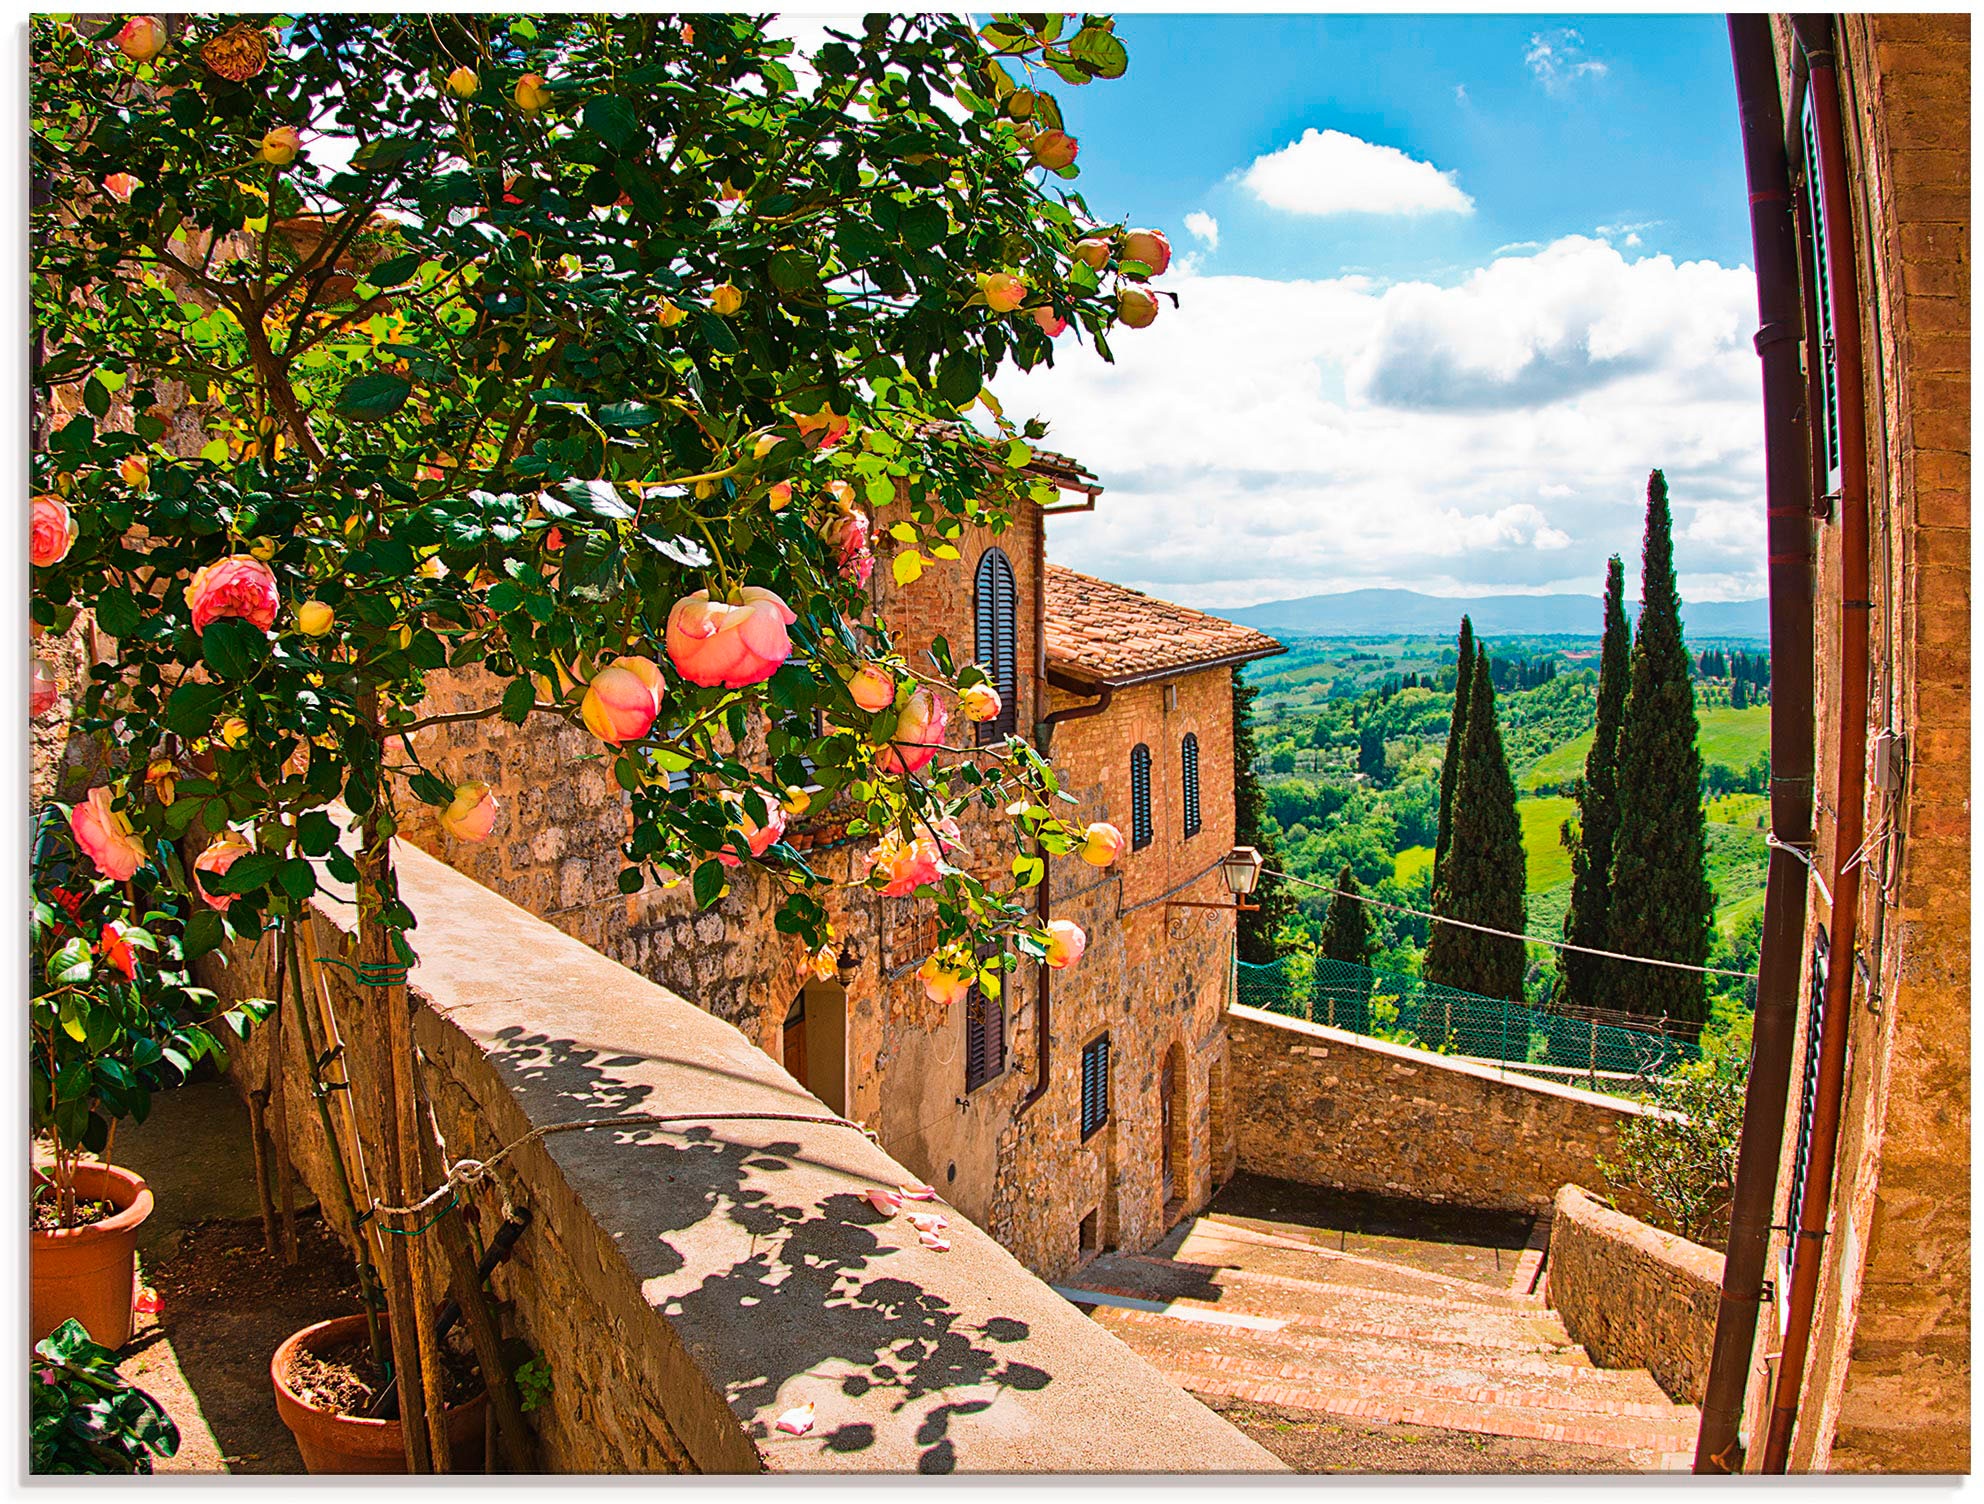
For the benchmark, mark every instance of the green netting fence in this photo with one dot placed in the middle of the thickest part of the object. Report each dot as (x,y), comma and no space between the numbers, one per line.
(1409,1010)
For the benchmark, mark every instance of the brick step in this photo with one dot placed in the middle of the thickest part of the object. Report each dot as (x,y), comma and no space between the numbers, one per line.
(1229,1244)
(1455,1375)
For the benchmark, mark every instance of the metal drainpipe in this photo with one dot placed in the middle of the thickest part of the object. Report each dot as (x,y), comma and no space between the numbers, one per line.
(1780,962)
(1814,35)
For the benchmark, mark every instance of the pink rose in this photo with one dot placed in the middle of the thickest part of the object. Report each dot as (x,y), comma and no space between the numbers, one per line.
(1051,323)
(918,731)
(141,38)
(1103,844)
(731,644)
(622,700)
(980,703)
(859,568)
(1053,149)
(106,837)
(42,688)
(1149,247)
(846,533)
(759,838)
(224,851)
(1065,943)
(942,984)
(1003,291)
(873,687)
(120,186)
(238,586)
(907,865)
(51,531)
(471,814)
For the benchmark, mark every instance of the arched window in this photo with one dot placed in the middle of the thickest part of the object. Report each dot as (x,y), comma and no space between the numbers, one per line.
(1141,830)
(1190,757)
(995,607)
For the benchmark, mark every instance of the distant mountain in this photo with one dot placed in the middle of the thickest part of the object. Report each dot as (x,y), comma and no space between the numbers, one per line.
(1407,613)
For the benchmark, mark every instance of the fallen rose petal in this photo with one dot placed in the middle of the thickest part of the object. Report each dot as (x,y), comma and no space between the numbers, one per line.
(929,1221)
(918,1193)
(888,1203)
(147,1303)
(798,1420)
(935,1244)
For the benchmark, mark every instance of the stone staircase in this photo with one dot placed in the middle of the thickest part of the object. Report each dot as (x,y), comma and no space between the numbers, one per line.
(1234,1309)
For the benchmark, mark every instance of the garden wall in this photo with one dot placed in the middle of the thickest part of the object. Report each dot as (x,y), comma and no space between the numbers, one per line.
(689,1283)
(1326,1107)
(1634,1296)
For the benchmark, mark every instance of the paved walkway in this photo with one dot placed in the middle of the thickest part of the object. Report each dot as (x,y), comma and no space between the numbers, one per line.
(1285,1297)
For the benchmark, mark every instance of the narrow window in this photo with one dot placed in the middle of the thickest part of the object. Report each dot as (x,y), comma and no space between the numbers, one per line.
(1095,1086)
(984,1039)
(995,611)
(1189,756)
(1818,241)
(1141,830)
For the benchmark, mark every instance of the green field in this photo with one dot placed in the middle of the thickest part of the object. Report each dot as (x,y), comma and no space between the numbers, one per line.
(1549,862)
(1735,738)
(1412,861)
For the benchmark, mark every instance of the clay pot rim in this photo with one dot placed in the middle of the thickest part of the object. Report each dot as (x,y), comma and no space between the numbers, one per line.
(284,1357)
(114,1178)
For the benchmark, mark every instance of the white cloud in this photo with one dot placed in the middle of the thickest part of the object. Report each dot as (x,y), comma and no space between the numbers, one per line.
(1460,93)
(1558,59)
(1329,172)
(1267,439)
(1204,227)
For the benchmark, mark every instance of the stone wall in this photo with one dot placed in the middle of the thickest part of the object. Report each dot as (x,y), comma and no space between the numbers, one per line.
(1634,1296)
(1326,1107)
(687,1283)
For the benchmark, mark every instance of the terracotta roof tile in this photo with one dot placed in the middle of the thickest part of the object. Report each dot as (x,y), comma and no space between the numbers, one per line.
(1103,633)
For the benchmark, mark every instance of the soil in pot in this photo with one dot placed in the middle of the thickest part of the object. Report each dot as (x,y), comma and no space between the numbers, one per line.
(46,1216)
(324,1380)
(90,1272)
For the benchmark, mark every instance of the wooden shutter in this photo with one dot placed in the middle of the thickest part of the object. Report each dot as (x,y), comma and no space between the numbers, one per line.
(1189,756)
(1801,1161)
(984,1040)
(1141,829)
(1095,1086)
(995,611)
(1818,287)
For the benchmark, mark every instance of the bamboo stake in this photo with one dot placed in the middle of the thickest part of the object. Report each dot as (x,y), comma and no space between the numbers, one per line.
(277,1129)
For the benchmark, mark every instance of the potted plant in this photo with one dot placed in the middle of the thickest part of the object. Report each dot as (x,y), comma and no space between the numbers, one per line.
(83,1417)
(113,1017)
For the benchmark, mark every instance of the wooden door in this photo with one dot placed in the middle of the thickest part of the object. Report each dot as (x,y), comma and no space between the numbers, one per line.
(795,1040)
(1164,1111)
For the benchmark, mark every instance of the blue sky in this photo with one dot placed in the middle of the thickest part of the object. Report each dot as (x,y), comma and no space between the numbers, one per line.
(1457,283)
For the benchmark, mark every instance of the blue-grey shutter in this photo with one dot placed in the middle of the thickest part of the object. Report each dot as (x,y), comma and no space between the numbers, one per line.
(1189,756)
(1825,424)
(1801,1162)
(1095,1086)
(1141,829)
(995,609)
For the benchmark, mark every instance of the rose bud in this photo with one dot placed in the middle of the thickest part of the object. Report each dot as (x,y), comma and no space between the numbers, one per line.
(1136,307)
(767,442)
(280,146)
(1053,149)
(1103,844)
(471,814)
(42,687)
(225,850)
(120,186)
(1092,252)
(943,985)
(726,298)
(668,315)
(981,702)
(622,700)
(873,687)
(1065,943)
(780,496)
(1149,247)
(135,472)
(1051,323)
(731,644)
(236,586)
(1003,291)
(163,777)
(759,838)
(919,728)
(796,801)
(463,83)
(531,95)
(233,731)
(106,837)
(141,38)
(315,619)
(51,531)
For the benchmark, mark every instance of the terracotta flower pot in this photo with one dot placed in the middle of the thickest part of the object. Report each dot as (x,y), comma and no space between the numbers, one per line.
(90,1273)
(333,1443)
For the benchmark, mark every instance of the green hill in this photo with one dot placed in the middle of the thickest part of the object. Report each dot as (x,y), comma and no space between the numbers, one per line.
(1735,738)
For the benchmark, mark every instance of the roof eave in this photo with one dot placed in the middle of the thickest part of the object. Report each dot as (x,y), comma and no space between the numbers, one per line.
(1094,683)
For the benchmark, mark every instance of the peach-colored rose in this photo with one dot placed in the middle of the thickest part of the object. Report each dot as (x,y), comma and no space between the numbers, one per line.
(463,83)
(1103,844)
(42,687)
(847,533)
(136,472)
(726,298)
(981,702)
(1053,149)
(238,586)
(280,146)
(943,985)
(873,687)
(1149,247)
(1002,290)
(822,430)
(759,838)
(141,38)
(471,814)
(1065,943)
(729,643)
(1092,252)
(918,731)
(120,186)
(222,852)
(531,95)
(1051,323)
(622,700)
(1136,307)
(780,495)
(907,865)
(106,836)
(51,531)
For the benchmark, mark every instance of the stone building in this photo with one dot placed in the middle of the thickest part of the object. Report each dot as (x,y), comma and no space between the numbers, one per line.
(1887,1381)
(1083,1109)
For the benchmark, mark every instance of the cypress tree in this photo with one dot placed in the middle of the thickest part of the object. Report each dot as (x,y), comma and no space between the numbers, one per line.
(1483,876)
(1456,733)
(1661,901)
(1347,932)
(1257,928)
(1580,978)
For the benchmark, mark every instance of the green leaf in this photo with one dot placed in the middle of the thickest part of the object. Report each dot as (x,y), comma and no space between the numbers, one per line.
(246,875)
(518,698)
(707,884)
(297,878)
(627,415)
(631,879)
(959,378)
(612,119)
(234,648)
(316,832)
(392,273)
(925,225)
(117,613)
(203,932)
(1100,51)
(376,394)
(794,271)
